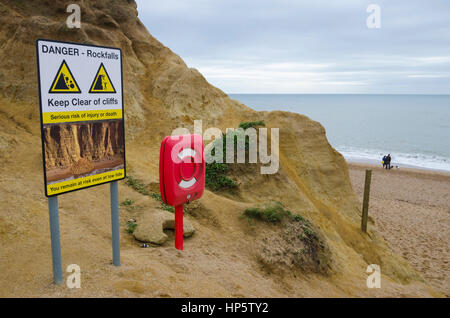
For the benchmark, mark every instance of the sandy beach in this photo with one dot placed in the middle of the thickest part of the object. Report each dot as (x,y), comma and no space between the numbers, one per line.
(411,210)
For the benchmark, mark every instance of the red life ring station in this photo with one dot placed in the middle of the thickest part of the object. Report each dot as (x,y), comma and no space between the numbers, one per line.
(181,175)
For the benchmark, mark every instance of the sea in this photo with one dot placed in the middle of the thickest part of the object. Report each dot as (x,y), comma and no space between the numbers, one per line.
(414,129)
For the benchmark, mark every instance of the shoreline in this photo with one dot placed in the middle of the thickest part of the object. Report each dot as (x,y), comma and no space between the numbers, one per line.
(403,168)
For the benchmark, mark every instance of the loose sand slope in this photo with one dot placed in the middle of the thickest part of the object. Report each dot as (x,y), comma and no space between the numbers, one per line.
(162,93)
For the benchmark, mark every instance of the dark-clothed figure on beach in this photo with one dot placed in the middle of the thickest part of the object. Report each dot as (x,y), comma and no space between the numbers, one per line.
(388,161)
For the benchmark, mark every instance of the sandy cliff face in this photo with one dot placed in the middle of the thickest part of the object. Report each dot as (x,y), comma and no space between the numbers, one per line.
(162,93)
(66,144)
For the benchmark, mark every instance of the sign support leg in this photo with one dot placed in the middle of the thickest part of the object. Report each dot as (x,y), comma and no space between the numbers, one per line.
(179,227)
(115,222)
(55,240)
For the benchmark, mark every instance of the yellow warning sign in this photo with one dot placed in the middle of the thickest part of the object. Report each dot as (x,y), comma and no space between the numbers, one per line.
(83,182)
(102,83)
(64,81)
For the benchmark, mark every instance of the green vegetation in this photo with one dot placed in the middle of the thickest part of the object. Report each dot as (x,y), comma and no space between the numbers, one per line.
(164,206)
(131,226)
(292,242)
(216,173)
(299,218)
(251,124)
(127,202)
(137,185)
(273,213)
(216,177)
(309,232)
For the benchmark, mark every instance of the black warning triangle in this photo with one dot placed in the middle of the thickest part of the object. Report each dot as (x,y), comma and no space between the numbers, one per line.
(102,82)
(64,82)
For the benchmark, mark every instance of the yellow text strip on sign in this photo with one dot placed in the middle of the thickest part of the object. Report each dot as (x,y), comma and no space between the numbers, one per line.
(70,185)
(82,115)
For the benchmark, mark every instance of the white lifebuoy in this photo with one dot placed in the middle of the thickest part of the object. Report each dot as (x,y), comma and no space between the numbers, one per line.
(187,152)
(187,184)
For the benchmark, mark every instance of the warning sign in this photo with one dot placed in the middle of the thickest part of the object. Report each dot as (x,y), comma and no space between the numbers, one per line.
(64,81)
(102,83)
(81,104)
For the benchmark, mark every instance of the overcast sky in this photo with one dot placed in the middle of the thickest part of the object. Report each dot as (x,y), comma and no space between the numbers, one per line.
(317,46)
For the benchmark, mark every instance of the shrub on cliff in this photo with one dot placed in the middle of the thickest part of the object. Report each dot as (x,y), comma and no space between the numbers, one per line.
(216,177)
(216,173)
(294,243)
(273,212)
(252,124)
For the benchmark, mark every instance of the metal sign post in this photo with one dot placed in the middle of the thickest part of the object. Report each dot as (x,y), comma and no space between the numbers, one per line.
(115,222)
(55,237)
(54,233)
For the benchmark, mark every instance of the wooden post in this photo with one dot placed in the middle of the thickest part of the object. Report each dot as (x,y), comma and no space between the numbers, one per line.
(365,208)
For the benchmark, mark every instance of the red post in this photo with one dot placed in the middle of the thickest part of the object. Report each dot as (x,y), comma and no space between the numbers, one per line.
(179,227)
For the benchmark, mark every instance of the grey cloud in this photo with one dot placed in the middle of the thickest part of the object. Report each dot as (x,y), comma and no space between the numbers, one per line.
(233,41)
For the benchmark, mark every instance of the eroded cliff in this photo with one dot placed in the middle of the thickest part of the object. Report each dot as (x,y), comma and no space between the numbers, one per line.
(66,144)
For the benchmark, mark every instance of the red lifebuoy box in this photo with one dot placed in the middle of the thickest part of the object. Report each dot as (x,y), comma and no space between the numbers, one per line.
(181,175)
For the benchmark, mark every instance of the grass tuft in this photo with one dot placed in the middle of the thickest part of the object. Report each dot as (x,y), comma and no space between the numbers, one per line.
(131,226)
(164,206)
(272,213)
(137,185)
(127,202)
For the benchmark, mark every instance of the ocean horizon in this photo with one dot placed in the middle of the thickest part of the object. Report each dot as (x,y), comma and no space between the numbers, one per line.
(413,128)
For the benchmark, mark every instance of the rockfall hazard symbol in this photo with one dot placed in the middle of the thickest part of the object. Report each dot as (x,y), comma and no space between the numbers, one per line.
(64,81)
(102,83)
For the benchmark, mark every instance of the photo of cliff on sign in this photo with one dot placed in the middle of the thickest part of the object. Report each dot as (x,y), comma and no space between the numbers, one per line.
(87,149)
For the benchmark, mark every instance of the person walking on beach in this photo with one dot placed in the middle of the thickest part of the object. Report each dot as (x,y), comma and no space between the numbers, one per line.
(383,161)
(388,161)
